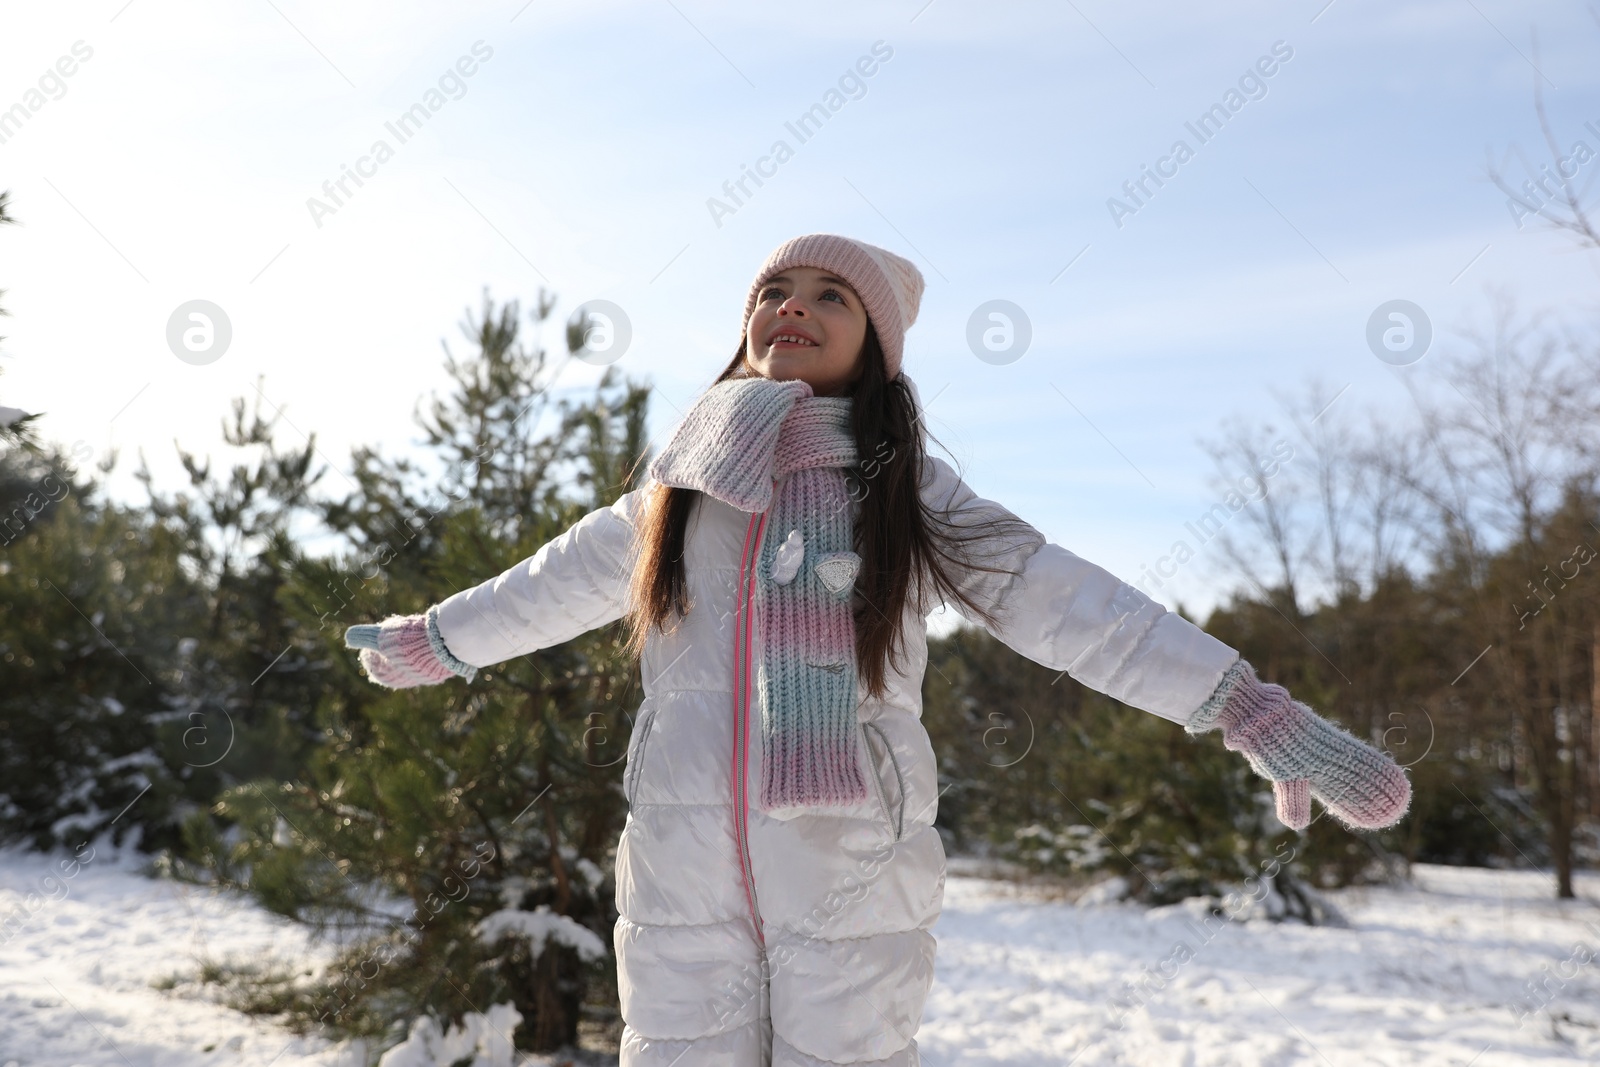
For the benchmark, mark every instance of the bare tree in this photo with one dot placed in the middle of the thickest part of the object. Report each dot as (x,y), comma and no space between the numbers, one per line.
(1271,520)
(1561,205)
(1326,459)
(1484,490)
(1501,456)
(1389,507)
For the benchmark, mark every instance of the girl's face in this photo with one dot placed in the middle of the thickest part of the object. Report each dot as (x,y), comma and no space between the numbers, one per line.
(808,325)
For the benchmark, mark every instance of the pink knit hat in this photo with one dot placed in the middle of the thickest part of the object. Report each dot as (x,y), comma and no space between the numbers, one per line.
(889,285)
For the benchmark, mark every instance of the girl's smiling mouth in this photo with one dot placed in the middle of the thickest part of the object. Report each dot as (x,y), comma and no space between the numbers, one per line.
(787,336)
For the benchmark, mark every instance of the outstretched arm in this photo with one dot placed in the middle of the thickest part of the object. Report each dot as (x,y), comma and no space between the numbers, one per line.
(1069,614)
(576,582)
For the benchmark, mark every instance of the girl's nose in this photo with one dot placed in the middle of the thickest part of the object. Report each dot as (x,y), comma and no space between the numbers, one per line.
(785,309)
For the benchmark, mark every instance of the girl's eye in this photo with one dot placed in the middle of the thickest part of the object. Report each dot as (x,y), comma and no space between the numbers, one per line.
(769,290)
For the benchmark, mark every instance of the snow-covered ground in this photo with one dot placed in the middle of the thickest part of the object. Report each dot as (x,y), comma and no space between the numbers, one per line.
(76,981)
(1470,967)
(1442,974)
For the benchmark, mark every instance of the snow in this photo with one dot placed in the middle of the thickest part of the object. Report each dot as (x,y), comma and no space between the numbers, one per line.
(76,977)
(1440,974)
(1470,966)
(481,1041)
(539,926)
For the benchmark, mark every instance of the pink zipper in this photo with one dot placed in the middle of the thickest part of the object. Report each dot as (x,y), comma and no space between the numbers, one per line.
(743,656)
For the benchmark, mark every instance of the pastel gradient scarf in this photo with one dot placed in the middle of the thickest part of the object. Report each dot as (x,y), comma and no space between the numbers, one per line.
(772,448)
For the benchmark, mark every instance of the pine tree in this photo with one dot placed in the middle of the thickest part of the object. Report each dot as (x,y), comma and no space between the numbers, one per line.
(16,429)
(1039,769)
(94,601)
(424,813)
(94,597)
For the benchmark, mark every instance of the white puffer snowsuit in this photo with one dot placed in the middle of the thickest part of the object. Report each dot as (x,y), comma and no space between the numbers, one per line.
(808,944)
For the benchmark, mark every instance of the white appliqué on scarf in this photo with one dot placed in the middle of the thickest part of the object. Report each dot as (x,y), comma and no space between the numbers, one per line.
(786,561)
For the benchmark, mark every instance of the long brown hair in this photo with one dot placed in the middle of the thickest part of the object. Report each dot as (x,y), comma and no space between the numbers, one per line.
(908,550)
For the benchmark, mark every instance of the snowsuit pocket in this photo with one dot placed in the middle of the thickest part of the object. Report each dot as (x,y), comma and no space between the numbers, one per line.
(887,781)
(637,742)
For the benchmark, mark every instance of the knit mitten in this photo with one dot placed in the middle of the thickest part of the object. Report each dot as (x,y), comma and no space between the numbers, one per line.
(405,651)
(1303,754)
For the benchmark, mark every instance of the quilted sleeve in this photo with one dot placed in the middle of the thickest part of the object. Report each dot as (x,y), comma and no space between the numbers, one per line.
(1068,614)
(576,582)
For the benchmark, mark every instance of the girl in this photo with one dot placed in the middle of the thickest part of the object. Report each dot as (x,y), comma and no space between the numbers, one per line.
(779,869)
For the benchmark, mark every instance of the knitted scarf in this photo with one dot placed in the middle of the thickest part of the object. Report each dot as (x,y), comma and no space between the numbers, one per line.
(772,447)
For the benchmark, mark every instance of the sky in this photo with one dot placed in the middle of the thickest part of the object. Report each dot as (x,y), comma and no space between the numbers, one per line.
(594,149)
